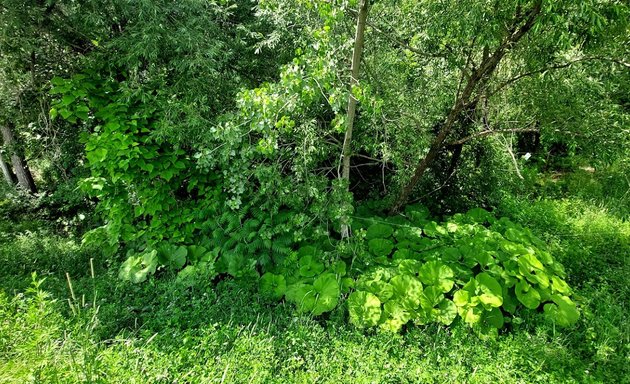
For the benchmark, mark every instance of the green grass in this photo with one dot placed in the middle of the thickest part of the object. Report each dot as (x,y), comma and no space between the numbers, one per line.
(163,332)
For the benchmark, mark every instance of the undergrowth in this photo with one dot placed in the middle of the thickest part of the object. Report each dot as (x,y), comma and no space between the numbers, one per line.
(170,329)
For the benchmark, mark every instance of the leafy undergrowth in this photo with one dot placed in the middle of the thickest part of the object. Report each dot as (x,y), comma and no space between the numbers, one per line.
(168,330)
(472,268)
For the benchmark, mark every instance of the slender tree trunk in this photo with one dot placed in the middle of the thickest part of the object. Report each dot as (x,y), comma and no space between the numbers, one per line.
(477,80)
(346,152)
(9,176)
(24,177)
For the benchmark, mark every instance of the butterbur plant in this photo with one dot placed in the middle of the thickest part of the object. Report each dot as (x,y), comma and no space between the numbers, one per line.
(472,268)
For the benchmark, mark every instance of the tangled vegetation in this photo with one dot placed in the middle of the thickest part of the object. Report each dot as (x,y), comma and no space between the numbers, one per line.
(370,172)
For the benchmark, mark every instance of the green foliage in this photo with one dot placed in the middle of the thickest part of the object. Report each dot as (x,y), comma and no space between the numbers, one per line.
(137,268)
(135,176)
(273,285)
(162,330)
(473,267)
(364,308)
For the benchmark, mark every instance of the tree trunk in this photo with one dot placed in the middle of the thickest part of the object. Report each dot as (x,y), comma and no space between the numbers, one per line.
(24,177)
(352,104)
(9,176)
(477,80)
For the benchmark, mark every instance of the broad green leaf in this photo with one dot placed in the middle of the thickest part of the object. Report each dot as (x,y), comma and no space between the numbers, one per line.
(409,267)
(411,234)
(450,254)
(137,268)
(479,215)
(494,318)
(527,294)
(562,311)
(178,257)
(471,315)
(327,293)
(407,290)
(309,266)
(559,285)
(432,229)
(438,274)
(302,295)
(380,247)
(431,297)
(96,156)
(347,284)
(490,290)
(196,253)
(529,262)
(447,311)
(395,316)
(379,230)
(67,99)
(402,254)
(461,298)
(382,289)
(273,285)
(364,309)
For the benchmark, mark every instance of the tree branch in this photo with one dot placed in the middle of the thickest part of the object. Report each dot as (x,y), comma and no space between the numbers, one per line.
(553,67)
(489,132)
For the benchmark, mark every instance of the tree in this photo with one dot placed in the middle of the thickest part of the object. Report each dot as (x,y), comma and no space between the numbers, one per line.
(24,177)
(352,102)
(7,172)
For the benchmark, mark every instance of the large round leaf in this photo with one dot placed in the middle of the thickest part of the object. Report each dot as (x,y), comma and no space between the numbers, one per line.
(471,315)
(559,285)
(562,311)
(273,285)
(383,290)
(447,311)
(402,254)
(379,230)
(432,229)
(461,298)
(327,292)
(170,255)
(438,274)
(494,318)
(409,267)
(490,291)
(380,247)
(431,297)
(302,295)
(395,316)
(479,215)
(407,290)
(364,309)
(527,294)
(137,268)
(309,266)
(198,253)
